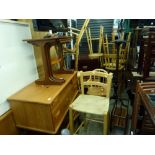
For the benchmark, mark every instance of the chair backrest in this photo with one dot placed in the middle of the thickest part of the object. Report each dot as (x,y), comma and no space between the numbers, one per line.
(125,51)
(128,42)
(83,29)
(78,34)
(89,40)
(110,61)
(113,45)
(97,82)
(110,57)
(114,34)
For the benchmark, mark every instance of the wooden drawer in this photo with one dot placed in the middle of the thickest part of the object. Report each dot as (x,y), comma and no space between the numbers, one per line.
(61,104)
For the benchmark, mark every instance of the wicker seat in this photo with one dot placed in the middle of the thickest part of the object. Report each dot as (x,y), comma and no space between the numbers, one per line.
(95,100)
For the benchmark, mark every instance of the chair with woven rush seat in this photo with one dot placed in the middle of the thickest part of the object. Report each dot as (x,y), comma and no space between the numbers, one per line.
(94,97)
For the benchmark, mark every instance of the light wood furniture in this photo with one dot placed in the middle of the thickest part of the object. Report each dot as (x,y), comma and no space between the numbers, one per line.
(92,54)
(109,58)
(124,50)
(45,44)
(78,36)
(43,108)
(96,100)
(7,124)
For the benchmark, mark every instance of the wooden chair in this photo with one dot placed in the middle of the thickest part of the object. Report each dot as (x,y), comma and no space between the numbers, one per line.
(124,51)
(113,45)
(78,34)
(109,58)
(92,54)
(114,34)
(95,101)
(109,63)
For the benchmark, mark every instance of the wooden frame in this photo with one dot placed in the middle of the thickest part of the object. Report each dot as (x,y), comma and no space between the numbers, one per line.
(92,54)
(98,95)
(78,34)
(142,89)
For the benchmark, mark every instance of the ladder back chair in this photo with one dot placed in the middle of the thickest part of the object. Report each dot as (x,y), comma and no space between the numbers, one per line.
(109,57)
(124,51)
(95,100)
(114,34)
(110,62)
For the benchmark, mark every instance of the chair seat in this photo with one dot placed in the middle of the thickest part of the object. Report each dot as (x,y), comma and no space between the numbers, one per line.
(95,55)
(91,104)
(112,66)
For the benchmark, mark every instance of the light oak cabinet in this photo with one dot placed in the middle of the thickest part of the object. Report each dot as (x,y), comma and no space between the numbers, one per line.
(43,108)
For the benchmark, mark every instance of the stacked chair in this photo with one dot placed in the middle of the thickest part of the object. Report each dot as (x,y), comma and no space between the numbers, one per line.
(78,36)
(97,54)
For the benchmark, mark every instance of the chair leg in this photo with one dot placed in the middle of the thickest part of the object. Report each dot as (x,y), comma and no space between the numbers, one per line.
(105,125)
(71,121)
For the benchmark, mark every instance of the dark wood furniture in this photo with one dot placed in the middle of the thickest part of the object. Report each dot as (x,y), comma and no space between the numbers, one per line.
(142,99)
(45,44)
(134,53)
(85,63)
(146,62)
(43,108)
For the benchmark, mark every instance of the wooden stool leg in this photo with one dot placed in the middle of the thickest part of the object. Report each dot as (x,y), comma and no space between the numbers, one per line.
(71,123)
(105,125)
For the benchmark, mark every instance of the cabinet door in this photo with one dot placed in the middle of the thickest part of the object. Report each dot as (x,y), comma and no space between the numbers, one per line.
(33,116)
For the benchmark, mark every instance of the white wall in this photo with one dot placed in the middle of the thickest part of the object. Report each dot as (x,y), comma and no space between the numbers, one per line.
(17,61)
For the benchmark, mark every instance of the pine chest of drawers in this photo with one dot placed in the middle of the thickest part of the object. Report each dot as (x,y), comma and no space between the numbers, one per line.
(43,108)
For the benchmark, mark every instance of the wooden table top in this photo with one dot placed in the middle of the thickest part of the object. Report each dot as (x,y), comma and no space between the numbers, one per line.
(50,39)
